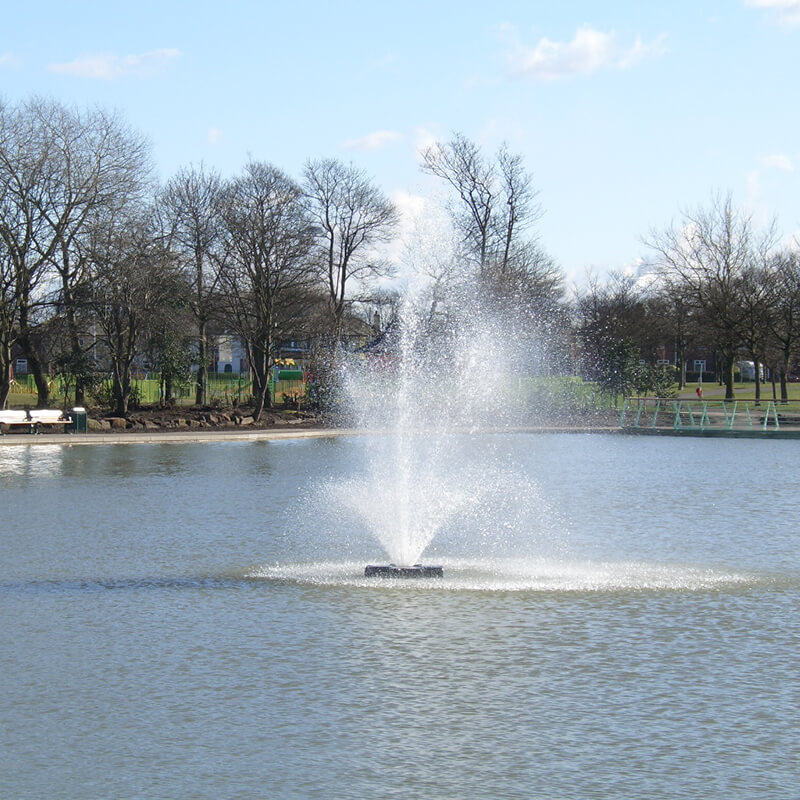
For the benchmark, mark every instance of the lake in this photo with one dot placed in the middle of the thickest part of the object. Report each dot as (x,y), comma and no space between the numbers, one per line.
(619,618)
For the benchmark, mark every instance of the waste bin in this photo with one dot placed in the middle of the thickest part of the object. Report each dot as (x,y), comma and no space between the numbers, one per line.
(79,420)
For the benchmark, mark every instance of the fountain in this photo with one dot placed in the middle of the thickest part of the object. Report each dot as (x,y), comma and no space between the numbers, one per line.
(434,384)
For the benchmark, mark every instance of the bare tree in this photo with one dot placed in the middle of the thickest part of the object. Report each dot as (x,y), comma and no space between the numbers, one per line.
(101,163)
(785,316)
(266,274)
(27,179)
(495,210)
(497,201)
(8,322)
(709,252)
(57,167)
(132,280)
(462,165)
(192,205)
(757,293)
(610,315)
(521,208)
(351,216)
(672,305)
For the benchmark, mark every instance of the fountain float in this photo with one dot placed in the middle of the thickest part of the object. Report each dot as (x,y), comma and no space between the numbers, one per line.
(393,571)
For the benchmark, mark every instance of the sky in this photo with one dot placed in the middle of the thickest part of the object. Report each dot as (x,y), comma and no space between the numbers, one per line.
(626,113)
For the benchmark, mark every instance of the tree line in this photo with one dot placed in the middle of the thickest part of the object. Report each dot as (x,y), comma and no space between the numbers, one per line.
(97,255)
(719,285)
(93,250)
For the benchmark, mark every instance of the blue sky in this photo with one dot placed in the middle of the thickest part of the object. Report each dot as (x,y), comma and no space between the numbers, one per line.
(625,112)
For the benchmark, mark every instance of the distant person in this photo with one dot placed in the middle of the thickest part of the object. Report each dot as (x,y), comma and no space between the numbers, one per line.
(699,392)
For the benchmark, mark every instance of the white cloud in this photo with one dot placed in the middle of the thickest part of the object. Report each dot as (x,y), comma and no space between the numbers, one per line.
(753,183)
(588,52)
(9,60)
(787,12)
(426,244)
(753,178)
(214,136)
(423,139)
(110,66)
(373,141)
(778,161)
(410,206)
(410,209)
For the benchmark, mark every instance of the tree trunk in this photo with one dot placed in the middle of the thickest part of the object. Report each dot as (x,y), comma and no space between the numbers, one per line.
(5,378)
(757,378)
(74,343)
(728,377)
(35,367)
(784,372)
(121,387)
(261,395)
(34,363)
(202,366)
(122,391)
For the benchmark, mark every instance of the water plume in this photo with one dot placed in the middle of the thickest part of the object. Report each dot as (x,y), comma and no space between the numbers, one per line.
(437,377)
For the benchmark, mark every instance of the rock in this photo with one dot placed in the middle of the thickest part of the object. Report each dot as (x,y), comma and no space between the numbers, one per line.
(246,421)
(97,424)
(117,423)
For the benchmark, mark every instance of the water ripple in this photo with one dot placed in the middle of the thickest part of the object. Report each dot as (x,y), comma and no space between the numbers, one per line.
(130,584)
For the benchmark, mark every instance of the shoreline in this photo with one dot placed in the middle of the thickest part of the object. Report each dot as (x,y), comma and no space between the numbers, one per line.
(270,434)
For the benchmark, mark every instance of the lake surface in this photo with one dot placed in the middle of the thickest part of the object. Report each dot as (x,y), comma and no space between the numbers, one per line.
(619,618)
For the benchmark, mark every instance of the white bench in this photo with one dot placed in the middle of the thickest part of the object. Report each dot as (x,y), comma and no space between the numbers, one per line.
(11,418)
(48,416)
(33,419)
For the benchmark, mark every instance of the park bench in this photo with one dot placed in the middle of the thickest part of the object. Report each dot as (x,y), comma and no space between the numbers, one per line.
(14,418)
(48,416)
(33,419)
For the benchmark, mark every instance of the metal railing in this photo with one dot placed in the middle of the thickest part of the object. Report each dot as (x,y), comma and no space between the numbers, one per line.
(698,415)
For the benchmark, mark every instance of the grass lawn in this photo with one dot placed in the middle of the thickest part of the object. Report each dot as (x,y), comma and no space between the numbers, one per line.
(742,391)
(746,392)
(221,390)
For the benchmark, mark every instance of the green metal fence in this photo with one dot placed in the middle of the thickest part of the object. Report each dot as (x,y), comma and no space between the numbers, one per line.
(698,415)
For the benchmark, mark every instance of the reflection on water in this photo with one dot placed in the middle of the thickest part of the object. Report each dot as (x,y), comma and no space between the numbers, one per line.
(18,463)
(193,621)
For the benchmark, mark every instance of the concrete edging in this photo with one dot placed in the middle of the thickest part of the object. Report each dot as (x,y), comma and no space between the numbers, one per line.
(186,437)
